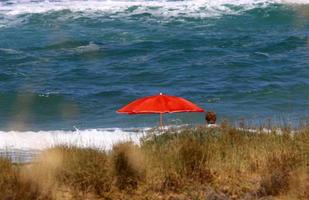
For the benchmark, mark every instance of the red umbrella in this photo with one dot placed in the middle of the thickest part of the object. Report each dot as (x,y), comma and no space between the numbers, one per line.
(160,104)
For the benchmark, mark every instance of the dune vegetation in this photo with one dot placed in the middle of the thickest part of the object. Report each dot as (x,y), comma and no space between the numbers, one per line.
(193,163)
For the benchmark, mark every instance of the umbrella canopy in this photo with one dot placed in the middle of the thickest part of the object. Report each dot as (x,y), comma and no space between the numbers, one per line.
(160,104)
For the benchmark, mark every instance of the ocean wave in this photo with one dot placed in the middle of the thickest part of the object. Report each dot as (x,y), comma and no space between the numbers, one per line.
(88,138)
(167,8)
(9,51)
(91,47)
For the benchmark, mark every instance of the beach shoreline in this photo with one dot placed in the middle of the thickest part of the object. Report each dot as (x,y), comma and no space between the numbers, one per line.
(23,147)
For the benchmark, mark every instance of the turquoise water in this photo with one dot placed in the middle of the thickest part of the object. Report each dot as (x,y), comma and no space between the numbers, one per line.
(66,64)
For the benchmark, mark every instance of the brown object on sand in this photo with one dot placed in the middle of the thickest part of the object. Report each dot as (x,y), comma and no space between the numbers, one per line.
(211,117)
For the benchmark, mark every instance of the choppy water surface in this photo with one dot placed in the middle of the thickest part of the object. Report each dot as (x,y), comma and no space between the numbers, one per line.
(73,63)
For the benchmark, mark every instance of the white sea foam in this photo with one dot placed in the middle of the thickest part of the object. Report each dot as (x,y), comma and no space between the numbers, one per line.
(92,138)
(91,47)
(165,8)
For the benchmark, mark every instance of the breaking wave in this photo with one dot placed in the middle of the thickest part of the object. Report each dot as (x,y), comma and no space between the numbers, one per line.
(88,138)
(168,8)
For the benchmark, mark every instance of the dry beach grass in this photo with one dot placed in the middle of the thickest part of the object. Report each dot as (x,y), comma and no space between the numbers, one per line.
(197,163)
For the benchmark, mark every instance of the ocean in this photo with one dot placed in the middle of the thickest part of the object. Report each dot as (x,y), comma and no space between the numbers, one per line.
(66,66)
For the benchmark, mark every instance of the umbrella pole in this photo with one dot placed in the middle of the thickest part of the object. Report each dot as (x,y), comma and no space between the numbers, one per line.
(161,121)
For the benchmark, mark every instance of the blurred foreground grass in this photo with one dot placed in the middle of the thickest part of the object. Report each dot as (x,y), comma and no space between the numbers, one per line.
(196,163)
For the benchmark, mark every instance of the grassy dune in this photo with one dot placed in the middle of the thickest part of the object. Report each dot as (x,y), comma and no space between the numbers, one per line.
(214,164)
